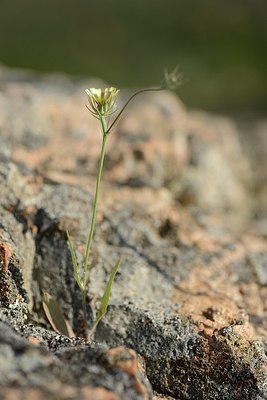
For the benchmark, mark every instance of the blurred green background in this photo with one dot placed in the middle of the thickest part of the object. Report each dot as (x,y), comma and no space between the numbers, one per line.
(220,45)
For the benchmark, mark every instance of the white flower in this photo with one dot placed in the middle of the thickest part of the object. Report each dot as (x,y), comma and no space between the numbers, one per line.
(101,102)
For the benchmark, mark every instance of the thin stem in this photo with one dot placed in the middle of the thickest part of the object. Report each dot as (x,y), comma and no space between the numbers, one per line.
(130,99)
(84,309)
(99,173)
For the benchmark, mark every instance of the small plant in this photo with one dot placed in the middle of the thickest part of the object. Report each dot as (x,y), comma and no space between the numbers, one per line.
(102,105)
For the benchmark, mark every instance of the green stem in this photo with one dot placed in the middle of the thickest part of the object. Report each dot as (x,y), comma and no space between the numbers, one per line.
(92,228)
(84,309)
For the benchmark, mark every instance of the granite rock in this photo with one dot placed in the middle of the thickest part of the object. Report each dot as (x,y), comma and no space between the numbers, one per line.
(187,317)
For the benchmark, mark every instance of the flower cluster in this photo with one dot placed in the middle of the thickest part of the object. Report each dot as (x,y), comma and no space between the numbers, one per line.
(101,101)
(173,79)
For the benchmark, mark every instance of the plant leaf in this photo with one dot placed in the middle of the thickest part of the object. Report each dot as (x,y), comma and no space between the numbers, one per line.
(105,299)
(74,261)
(56,317)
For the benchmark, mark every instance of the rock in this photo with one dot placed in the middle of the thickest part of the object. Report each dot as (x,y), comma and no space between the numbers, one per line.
(17,254)
(187,313)
(195,155)
(254,142)
(183,361)
(32,371)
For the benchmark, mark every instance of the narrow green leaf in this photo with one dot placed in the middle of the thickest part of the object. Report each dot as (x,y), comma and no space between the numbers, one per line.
(74,261)
(56,317)
(105,299)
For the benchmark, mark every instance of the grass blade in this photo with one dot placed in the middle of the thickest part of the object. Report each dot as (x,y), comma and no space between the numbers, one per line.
(74,261)
(105,299)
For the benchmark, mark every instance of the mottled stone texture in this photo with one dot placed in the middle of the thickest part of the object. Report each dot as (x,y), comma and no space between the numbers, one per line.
(180,204)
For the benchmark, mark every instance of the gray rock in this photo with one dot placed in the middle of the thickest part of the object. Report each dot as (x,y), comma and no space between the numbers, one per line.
(27,366)
(181,361)
(259,263)
(188,303)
